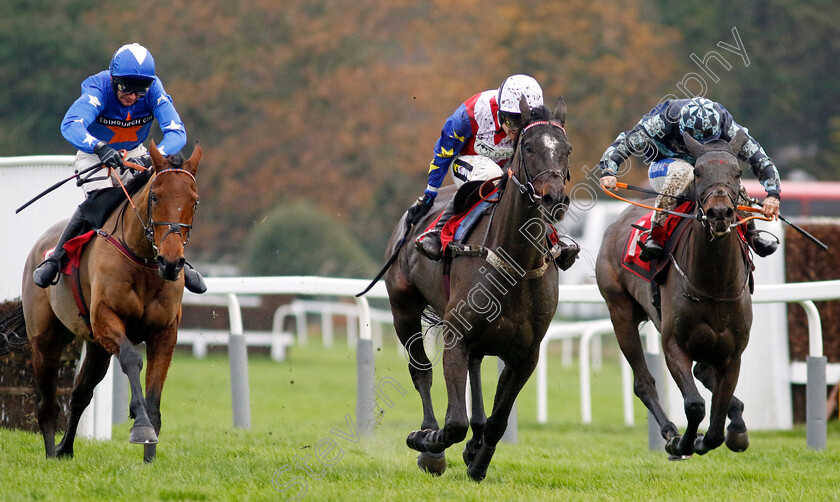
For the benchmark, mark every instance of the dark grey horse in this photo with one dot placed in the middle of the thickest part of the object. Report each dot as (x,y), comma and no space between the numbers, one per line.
(706,305)
(501,299)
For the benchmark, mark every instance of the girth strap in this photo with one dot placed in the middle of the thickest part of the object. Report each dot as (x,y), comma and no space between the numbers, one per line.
(494,259)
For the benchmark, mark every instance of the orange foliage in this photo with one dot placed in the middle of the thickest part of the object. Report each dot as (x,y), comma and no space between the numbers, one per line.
(341,102)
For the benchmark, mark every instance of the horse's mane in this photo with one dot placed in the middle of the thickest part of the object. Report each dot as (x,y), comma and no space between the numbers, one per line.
(176,161)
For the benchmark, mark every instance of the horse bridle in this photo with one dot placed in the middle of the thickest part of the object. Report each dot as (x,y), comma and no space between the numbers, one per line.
(527,188)
(174,226)
(719,189)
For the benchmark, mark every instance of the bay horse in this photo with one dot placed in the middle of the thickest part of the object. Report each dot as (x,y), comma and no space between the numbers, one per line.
(500,301)
(706,305)
(129,277)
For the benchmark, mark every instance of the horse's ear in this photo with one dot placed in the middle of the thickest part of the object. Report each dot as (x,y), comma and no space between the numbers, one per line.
(560,110)
(524,109)
(737,143)
(195,158)
(157,159)
(694,147)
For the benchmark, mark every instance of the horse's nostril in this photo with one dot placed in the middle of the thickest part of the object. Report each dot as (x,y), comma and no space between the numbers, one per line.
(730,213)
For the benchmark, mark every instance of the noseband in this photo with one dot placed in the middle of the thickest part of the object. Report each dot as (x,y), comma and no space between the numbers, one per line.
(527,188)
(174,227)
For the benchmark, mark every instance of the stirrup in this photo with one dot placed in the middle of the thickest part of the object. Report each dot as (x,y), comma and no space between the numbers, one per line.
(44,278)
(428,244)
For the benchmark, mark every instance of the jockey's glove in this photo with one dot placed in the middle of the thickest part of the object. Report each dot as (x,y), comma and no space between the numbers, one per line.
(108,156)
(419,209)
(143,160)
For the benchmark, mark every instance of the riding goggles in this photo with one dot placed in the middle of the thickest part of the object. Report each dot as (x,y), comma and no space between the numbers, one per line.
(512,121)
(132,86)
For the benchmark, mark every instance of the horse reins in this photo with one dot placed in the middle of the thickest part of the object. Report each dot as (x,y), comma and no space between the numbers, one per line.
(149,228)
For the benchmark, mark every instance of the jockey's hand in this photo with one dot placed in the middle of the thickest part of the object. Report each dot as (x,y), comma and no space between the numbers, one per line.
(608,182)
(142,161)
(419,209)
(109,157)
(770,207)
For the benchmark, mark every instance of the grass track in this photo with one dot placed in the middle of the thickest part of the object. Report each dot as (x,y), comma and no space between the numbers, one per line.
(298,404)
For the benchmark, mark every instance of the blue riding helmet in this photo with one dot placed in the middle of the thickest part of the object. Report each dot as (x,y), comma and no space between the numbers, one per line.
(700,120)
(132,69)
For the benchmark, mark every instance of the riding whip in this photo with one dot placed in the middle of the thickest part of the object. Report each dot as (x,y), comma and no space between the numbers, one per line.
(390,261)
(50,189)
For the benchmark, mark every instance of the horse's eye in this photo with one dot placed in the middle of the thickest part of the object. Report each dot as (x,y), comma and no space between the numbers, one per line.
(696,173)
(738,174)
(528,148)
(153,197)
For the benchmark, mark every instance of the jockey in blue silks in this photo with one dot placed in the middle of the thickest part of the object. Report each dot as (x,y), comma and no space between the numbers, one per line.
(115,112)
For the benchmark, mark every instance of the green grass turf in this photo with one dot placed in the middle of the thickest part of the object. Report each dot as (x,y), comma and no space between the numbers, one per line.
(300,408)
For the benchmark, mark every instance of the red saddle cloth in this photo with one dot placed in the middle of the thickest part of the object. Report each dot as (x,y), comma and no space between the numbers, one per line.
(73,248)
(633,251)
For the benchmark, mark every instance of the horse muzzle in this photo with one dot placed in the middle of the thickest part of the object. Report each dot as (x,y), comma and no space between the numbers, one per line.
(719,219)
(169,270)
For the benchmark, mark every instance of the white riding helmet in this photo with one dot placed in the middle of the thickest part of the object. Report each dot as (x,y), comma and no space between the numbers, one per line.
(515,86)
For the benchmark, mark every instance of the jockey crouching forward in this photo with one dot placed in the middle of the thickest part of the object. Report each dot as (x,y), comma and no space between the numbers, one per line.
(115,111)
(658,136)
(475,142)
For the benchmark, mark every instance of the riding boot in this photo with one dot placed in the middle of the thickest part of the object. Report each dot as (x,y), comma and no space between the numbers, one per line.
(45,274)
(428,243)
(568,255)
(654,247)
(193,280)
(762,247)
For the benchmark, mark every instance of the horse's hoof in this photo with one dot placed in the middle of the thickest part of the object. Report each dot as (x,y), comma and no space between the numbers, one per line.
(672,446)
(62,452)
(470,449)
(677,458)
(143,434)
(433,463)
(700,446)
(415,440)
(737,441)
(477,472)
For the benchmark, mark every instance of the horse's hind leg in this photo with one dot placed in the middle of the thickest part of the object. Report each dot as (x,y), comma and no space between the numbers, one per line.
(93,370)
(478,420)
(737,438)
(46,356)
(409,330)
(511,381)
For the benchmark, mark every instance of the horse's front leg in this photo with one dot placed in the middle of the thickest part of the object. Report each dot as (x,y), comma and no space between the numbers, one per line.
(109,331)
(679,364)
(737,438)
(478,420)
(722,396)
(159,351)
(93,370)
(511,381)
(456,426)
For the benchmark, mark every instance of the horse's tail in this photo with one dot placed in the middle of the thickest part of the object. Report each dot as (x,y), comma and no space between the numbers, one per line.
(12,328)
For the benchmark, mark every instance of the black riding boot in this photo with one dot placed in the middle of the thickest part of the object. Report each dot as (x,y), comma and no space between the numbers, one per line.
(428,243)
(45,274)
(762,247)
(193,280)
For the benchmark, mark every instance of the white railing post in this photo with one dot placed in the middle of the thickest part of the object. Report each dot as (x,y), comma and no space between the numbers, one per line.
(238,359)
